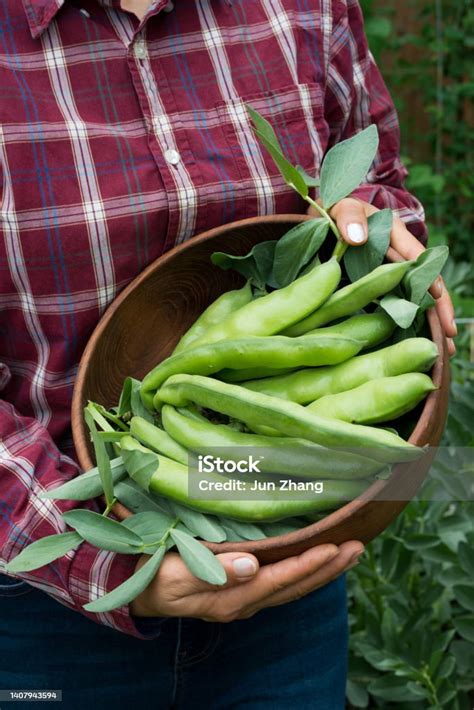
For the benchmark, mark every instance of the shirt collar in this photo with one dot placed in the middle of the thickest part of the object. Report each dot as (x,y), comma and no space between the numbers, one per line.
(40,13)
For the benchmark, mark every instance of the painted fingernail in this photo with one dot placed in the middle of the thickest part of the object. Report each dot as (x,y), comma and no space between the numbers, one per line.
(356,233)
(244,567)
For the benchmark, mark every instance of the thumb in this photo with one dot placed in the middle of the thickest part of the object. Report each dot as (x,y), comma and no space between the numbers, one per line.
(239,567)
(351,221)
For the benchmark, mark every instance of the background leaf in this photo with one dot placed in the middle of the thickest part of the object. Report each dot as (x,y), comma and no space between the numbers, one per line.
(360,261)
(44,551)
(346,165)
(199,559)
(296,249)
(131,588)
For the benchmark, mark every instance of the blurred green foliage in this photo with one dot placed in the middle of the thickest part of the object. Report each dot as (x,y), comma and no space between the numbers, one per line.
(412,596)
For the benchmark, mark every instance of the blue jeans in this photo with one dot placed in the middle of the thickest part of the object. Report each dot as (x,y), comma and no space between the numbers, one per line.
(288,656)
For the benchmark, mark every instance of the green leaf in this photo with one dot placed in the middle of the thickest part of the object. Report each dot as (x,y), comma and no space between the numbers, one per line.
(464,595)
(204,526)
(248,531)
(465,626)
(137,500)
(391,688)
(140,465)
(296,248)
(131,588)
(346,165)
(257,265)
(103,532)
(425,270)
(359,261)
(86,486)
(267,136)
(310,181)
(357,694)
(403,312)
(102,458)
(448,664)
(125,401)
(137,407)
(150,526)
(466,557)
(199,559)
(44,551)
(421,541)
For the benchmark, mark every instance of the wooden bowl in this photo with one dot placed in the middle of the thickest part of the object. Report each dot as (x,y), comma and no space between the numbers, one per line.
(141,328)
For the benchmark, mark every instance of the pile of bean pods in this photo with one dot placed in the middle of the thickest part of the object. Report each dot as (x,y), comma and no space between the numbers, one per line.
(304,373)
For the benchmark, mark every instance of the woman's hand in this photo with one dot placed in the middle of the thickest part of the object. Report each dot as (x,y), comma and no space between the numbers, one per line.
(249,588)
(351,216)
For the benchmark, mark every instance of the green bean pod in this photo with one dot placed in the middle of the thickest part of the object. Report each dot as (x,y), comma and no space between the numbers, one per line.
(305,386)
(170,479)
(284,455)
(277,310)
(274,351)
(157,440)
(216,312)
(372,328)
(379,400)
(353,297)
(255,409)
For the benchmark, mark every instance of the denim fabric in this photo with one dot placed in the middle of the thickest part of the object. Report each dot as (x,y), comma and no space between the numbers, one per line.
(293,656)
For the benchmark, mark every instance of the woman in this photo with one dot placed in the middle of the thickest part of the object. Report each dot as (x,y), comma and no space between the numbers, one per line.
(123,133)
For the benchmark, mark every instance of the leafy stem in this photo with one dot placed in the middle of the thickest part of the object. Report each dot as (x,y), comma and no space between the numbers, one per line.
(164,537)
(326,216)
(109,507)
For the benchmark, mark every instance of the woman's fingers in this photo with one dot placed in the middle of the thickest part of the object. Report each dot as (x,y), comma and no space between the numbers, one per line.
(347,558)
(351,218)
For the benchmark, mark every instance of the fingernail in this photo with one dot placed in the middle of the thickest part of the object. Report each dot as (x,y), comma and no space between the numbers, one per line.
(455,328)
(355,559)
(244,567)
(356,233)
(439,286)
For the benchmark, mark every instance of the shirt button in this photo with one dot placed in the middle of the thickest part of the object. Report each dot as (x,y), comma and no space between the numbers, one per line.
(139,49)
(172,156)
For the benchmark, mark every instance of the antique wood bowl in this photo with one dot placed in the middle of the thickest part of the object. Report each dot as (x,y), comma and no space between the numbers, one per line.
(141,328)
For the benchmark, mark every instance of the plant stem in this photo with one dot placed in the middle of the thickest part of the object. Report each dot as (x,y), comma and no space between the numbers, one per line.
(165,535)
(109,507)
(324,214)
(340,249)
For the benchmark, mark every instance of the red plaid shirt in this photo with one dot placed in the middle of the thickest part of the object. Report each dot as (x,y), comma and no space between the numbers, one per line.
(119,139)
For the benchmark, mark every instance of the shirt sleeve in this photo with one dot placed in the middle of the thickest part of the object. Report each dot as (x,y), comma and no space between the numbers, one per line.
(30,464)
(356,97)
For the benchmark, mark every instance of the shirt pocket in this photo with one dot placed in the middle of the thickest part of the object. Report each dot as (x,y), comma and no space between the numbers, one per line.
(296,113)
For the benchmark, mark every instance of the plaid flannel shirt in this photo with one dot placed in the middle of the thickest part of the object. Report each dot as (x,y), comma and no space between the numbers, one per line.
(118,140)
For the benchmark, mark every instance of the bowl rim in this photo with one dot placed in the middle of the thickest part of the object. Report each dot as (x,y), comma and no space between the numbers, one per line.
(334,518)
